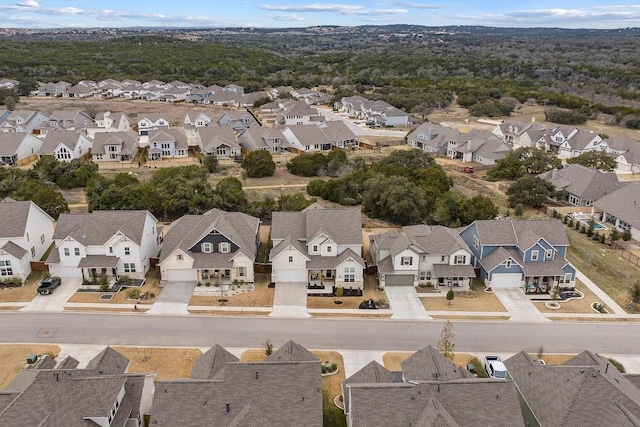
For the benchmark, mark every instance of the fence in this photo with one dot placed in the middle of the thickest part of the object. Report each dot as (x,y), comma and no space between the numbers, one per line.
(38,266)
(460,168)
(625,253)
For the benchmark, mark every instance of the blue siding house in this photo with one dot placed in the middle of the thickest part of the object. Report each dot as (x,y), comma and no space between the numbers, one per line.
(520,253)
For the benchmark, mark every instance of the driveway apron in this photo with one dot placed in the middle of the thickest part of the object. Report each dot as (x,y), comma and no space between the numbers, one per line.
(173,299)
(520,308)
(405,303)
(290,300)
(56,300)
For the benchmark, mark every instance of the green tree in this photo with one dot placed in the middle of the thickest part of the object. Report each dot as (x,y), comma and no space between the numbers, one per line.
(9,98)
(394,199)
(230,196)
(523,161)
(595,159)
(626,235)
(450,296)
(210,163)
(614,234)
(529,191)
(519,210)
(48,199)
(259,164)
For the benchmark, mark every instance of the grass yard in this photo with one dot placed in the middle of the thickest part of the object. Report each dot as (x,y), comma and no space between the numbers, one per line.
(576,305)
(166,363)
(14,359)
(262,296)
(254,355)
(482,301)
(331,387)
(393,359)
(613,274)
(24,293)
(369,292)
(150,286)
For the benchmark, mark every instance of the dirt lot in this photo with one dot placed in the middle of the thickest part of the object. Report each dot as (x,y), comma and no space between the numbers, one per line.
(166,363)
(262,296)
(369,292)
(14,359)
(24,293)
(393,359)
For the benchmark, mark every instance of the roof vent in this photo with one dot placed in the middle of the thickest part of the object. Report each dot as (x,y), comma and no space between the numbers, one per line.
(227,408)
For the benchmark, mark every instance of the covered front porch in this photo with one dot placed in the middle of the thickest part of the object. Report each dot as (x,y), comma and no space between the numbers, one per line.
(93,267)
(544,277)
(215,276)
(457,276)
(321,281)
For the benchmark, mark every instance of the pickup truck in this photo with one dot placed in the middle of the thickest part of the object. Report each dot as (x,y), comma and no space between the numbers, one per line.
(48,285)
(495,368)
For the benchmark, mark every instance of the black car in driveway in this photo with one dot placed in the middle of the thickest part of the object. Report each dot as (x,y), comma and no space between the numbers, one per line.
(48,285)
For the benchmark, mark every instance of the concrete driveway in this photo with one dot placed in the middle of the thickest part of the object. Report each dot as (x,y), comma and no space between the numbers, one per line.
(520,308)
(405,303)
(290,300)
(56,300)
(174,298)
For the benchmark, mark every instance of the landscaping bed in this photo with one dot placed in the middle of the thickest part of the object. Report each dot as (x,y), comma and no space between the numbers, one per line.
(477,300)
(574,305)
(143,295)
(370,291)
(257,294)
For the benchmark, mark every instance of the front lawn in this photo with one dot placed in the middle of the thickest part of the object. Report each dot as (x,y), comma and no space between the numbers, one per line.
(261,296)
(14,359)
(166,363)
(370,291)
(24,293)
(478,301)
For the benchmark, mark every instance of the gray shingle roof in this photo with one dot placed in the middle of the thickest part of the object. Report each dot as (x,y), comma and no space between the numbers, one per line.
(13,249)
(10,142)
(343,226)
(435,239)
(292,352)
(70,138)
(212,137)
(576,395)
(127,140)
(509,232)
(14,216)
(211,363)
(623,203)
(177,136)
(427,364)
(108,361)
(587,183)
(185,232)
(98,227)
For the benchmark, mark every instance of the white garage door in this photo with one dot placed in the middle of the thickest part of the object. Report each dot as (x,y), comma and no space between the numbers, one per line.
(506,280)
(398,279)
(290,276)
(179,275)
(60,271)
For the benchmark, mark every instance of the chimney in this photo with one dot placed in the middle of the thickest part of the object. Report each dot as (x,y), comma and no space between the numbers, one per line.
(554,174)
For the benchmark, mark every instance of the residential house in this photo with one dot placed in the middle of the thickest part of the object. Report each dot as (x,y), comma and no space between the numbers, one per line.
(112,122)
(586,390)
(583,185)
(115,146)
(520,134)
(67,120)
(306,139)
(219,141)
(217,247)
(167,143)
(173,95)
(433,138)
(238,120)
(318,248)
(154,83)
(8,84)
(150,122)
(102,394)
(18,148)
(79,91)
(621,209)
(104,243)
(627,152)
(574,141)
(297,113)
(382,113)
(477,146)
(248,99)
(233,88)
(22,121)
(52,89)
(310,97)
(262,138)
(26,232)
(195,119)
(339,134)
(527,254)
(427,392)
(199,96)
(65,145)
(420,254)
(352,105)
(221,98)
(283,390)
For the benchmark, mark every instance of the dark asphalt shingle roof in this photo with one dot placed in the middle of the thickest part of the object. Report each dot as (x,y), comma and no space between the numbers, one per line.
(97,227)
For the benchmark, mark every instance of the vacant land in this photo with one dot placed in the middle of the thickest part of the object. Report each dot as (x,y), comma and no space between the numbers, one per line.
(166,363)
(14,359)
(24,293)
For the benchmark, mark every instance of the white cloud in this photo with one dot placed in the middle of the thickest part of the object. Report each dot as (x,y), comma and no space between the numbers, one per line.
(29,3)
(286,17)
(343,9)
(418,5)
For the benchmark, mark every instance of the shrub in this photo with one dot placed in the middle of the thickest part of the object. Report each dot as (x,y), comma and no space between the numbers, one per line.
(619,366)
(328,368)
(626,235)
(133,293)
(480,371)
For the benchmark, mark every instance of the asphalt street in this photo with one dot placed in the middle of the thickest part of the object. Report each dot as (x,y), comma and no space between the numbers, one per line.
(317,333)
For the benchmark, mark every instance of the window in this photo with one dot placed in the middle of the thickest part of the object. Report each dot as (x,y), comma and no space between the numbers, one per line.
(5,263)
(349,274)
(460,259)
(534,255)
(406,260)
(33,252)
(27,236)
(508,263)
(476,242)
(179,257)
(328,248)
(443,258)
(242,271)
(67,252)
(6,271)
(290,259)
(76,251)
(110,249)
(315,248)
(129,267)
(424,258)
(127,251)
(566,278)
(207,247)
(225,247)
(549,254)
(425,275)
(42,239)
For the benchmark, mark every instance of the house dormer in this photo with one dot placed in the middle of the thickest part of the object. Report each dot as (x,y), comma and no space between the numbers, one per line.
(214,242)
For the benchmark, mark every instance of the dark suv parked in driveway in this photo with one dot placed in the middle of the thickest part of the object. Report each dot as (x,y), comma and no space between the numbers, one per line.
(48,285)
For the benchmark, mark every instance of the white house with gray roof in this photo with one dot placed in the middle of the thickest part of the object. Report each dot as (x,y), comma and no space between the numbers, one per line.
(339,134)
(18,148)
(477,146)
(104,243)
(420,254)
(111,122)
(65,145)
(148,122)
(216,247)
(433,138)
(168,143)
(318,248)
(22,121)
(583,185)
(219,141)
(26,232)
(115,146)
(262,138)
(626,152)
(621,209)
(306,139)
(67,120)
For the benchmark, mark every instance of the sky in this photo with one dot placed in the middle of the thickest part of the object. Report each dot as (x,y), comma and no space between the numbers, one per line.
(299,13)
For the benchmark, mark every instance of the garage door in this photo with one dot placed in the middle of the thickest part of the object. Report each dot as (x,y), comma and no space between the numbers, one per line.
(398,280)
(290,275)
(175,275)
(62,271)
(506,280)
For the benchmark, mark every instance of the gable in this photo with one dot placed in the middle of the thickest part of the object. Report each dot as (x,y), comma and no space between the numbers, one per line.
(214,239)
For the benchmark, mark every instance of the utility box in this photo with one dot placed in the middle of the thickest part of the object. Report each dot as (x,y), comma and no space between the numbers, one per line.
(32,359)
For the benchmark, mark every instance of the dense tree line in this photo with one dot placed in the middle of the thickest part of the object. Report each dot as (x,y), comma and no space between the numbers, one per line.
(23,185)
(74,174)
(523,161)
(407,187)
(595,159)
(318,164)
